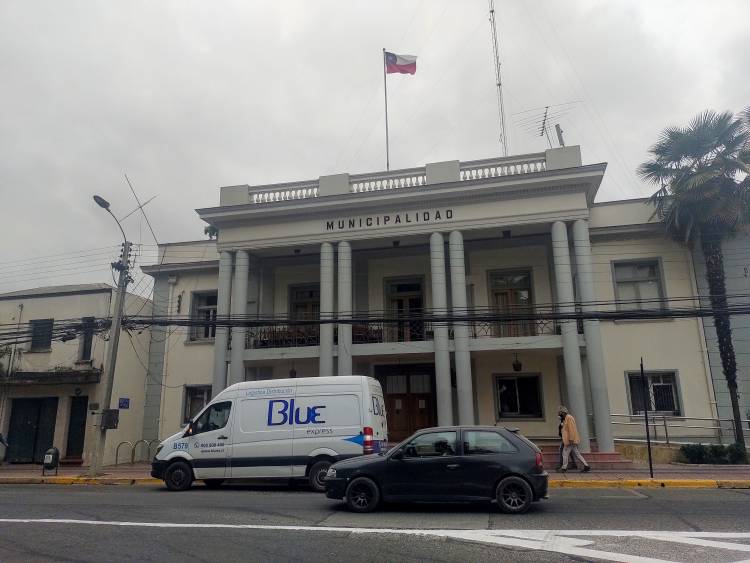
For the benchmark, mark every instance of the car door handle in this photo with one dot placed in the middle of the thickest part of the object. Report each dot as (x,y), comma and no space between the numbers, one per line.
(452,466)
(223,438)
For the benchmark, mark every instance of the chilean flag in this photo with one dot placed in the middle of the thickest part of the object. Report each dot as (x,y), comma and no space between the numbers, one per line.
(401,64)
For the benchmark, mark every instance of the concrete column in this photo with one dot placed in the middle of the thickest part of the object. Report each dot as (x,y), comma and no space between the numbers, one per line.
(345,308)
(569,329)
(223,301)
(326,309)
(239,310)
(440,331)
(592,332)
(461,330)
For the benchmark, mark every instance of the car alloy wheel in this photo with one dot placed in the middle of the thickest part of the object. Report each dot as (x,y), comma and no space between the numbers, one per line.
(362,495)
(514,495)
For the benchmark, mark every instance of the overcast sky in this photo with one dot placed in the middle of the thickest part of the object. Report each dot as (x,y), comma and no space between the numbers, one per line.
(186,96)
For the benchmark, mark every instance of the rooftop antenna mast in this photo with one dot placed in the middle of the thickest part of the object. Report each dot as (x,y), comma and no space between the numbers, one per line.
(498,80)
(543,129)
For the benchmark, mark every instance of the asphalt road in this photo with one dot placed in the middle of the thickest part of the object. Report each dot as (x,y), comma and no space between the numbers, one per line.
(112,523)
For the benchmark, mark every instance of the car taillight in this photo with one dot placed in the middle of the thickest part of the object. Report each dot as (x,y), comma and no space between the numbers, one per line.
(369,442)
(539,461)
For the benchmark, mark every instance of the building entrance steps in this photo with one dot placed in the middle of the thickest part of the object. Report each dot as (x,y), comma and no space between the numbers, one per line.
(596,459)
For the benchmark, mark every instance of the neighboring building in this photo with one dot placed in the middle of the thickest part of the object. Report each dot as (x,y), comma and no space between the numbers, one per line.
(50,390)
(737,274)
(504,235)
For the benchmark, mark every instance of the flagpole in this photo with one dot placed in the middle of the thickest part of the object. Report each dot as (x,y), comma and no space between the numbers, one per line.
(385,90)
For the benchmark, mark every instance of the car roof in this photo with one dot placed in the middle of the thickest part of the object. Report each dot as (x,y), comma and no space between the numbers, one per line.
(462,427)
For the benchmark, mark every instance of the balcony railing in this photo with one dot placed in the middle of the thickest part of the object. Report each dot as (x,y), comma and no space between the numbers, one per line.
(282,336)
(401,179)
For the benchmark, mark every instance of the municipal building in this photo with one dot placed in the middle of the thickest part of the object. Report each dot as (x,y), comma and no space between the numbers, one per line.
(385,252)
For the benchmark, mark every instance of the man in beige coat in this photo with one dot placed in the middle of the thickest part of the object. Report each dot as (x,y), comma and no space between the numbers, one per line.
(570,440)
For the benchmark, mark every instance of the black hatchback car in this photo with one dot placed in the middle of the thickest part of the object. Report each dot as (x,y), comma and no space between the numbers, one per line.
(466,463)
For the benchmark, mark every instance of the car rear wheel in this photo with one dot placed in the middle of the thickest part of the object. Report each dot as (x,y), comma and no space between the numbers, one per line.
(362,495)
(318,474)
(213,483)
(178,476)
(514,495)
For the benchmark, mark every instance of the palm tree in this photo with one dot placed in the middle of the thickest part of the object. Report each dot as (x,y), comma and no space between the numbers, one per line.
(703,171)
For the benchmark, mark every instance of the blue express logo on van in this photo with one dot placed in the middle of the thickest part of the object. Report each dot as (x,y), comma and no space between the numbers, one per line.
(283,411)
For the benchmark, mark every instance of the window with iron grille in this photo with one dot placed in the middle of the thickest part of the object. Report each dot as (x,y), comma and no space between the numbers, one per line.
(87,338)
(204,310)
(518,396)
(638,285)
(41,334)
(662,393)
(196,397)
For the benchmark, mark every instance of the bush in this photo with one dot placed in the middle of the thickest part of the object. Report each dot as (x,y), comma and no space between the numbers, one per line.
(715,454)
(694,453)
(736,454)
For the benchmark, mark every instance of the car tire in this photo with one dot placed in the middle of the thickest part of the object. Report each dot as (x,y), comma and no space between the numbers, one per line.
(213,483)
(317,475)
(514,495)
(178,476)
(362,495)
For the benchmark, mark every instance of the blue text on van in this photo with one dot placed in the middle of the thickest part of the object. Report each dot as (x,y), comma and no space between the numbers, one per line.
(282,411)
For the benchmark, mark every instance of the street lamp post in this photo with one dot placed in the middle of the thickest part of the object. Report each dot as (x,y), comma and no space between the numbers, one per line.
(109,416)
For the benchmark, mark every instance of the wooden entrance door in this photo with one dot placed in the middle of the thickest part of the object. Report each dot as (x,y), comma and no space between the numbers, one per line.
(409,398)
(76,427)
(32,429)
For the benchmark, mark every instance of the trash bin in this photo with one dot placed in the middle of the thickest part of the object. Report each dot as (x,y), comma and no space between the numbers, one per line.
(51,460)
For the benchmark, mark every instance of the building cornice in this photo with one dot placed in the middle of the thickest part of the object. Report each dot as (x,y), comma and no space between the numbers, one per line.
(178,267)
(584,179)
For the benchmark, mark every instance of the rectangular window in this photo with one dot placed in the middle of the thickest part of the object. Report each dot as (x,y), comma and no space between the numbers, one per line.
(510,294)
(518,396)
(41,334)
(304,301)
(87,338)
(204,309)
(196,397)
(638,285)
(661,393)
(479,442)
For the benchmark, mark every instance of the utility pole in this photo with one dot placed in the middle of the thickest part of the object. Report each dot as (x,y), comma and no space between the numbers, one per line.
(109,416)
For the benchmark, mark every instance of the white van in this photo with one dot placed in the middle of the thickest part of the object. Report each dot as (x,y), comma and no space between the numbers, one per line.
(278,428)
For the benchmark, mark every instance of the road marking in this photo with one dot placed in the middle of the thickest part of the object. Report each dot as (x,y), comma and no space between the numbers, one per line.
(568,542)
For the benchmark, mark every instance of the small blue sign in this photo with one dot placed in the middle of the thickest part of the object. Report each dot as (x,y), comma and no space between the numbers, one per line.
(124,403)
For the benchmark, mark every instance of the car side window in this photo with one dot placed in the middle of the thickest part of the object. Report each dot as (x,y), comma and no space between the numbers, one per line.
(478,442)
(214,417)
(432,444)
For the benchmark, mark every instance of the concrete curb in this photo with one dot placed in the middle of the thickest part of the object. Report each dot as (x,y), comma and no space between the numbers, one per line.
(553,484)
(650,483)
(78,481)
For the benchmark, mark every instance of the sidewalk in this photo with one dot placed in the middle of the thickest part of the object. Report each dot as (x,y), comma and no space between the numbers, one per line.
(673,476)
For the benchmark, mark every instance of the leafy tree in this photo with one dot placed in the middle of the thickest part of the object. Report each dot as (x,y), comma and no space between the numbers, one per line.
(704,196)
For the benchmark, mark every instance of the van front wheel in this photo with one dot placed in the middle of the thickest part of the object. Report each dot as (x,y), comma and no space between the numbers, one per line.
(178,476)
(318,474)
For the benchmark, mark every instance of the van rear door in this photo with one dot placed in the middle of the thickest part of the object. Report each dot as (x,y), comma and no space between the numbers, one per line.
(376,412)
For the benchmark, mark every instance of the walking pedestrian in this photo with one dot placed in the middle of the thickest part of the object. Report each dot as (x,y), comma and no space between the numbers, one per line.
(570,440)
(562,447)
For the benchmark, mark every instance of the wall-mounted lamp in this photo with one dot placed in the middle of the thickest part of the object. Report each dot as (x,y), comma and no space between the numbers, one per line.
(517,365)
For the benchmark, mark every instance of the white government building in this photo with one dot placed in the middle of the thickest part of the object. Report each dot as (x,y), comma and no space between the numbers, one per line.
(503,234)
